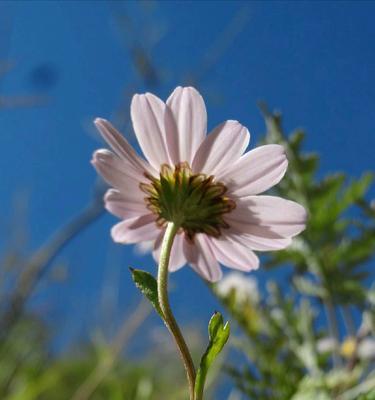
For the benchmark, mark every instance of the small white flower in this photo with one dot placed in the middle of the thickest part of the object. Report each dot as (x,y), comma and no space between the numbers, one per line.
(366,349)
(278,315)
(246,287)
(326,345)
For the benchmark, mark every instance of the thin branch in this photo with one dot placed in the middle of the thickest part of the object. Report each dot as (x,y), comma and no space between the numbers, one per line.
(333,329)
(37,267)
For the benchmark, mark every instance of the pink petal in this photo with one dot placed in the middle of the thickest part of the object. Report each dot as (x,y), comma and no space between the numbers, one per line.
(261,238)
(122,148)
(282,217)
(221,148)
(177,259)
(256,171)
(120,205)
(200,256)
(148,117)
(116,173)
(189,112)
(234,255)
(135,230)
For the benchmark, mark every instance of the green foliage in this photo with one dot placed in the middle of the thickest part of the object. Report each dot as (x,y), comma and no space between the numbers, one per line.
(339,237)
(218,336)
(276,342)
(29,372)
(282,335)
(368,396)
(148,285)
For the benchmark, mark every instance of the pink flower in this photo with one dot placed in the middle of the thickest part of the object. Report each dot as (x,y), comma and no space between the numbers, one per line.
(206,184)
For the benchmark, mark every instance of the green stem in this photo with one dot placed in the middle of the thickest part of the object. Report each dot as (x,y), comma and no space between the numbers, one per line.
(169,319)
(333,329)
(199,383)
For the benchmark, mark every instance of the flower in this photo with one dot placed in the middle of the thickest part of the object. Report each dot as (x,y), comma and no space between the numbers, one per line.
(206,184)
(246,288)
(366,348)
(327,344)
(348,347)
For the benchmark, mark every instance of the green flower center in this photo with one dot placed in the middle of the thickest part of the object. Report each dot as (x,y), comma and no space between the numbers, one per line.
(194,202)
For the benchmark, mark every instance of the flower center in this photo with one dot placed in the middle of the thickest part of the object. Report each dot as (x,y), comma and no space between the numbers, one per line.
(194,202)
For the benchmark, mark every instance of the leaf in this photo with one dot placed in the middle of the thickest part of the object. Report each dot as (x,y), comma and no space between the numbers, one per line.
(357,189)
(295,140)
(331,198)
(148,285)
(308,164)
(218,336)
(309,288)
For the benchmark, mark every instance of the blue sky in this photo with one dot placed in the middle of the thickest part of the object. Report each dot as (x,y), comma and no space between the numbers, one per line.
(314,61)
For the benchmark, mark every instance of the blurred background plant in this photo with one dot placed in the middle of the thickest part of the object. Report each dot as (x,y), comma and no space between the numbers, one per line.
(316,339)
(306,333)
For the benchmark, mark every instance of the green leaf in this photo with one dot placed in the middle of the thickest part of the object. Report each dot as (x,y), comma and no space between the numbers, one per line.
(148,285)
(357,189)
(218,335)
(295,140)
(308,163)
(309,288)
(369,396)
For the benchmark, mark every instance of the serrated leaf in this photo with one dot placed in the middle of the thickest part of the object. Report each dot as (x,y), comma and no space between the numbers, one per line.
(357,189)
(218,336)
(328,188)
(308,164)
(296,139)
(148,285)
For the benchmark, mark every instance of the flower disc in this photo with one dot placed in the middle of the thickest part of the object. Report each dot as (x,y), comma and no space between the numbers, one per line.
(195,202)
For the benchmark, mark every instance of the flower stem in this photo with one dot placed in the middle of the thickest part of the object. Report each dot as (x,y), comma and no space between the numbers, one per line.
(169,319)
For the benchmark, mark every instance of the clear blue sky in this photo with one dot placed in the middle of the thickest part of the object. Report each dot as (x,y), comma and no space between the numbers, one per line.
(315,61)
